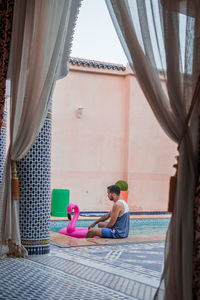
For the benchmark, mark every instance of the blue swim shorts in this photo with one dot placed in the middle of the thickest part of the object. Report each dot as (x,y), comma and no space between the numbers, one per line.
(108,233)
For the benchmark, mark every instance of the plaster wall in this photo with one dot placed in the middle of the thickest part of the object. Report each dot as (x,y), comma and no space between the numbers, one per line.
(117,137)
(150,154)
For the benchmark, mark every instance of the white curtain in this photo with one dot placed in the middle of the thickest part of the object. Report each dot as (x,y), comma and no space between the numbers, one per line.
(41,43)
(161,39)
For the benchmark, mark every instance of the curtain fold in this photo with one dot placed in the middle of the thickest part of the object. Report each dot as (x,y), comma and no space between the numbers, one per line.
(40,32)
(6,16)
(162,43)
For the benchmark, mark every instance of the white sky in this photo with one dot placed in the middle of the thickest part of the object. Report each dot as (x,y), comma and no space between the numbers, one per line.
(95,37)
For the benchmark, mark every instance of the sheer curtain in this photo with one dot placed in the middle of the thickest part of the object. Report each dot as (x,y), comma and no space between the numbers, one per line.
(41,41)
(162,39)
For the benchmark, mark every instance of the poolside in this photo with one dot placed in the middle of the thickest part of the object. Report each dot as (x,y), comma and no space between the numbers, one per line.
(145,229)
(68,241)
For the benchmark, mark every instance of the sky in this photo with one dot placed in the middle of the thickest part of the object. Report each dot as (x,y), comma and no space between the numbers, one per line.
(95,37)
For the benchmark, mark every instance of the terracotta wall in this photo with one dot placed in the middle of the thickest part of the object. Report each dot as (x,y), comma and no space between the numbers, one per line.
(117,137)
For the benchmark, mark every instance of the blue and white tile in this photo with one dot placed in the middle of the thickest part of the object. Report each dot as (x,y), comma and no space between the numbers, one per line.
(34,172)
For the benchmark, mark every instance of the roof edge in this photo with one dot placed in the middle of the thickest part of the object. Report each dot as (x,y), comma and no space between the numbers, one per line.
(96,64)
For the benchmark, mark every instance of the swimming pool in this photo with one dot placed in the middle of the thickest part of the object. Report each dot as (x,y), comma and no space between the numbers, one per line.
(155,226)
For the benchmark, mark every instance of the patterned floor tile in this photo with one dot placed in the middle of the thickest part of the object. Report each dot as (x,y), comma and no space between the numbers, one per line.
(129,271)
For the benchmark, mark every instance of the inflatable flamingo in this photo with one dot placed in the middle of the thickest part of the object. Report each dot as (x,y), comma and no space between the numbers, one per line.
(71,229)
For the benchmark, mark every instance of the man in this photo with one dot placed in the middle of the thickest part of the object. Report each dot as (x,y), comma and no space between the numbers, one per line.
(118,225)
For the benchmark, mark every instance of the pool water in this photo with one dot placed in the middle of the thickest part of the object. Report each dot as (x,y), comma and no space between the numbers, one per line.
(137,226)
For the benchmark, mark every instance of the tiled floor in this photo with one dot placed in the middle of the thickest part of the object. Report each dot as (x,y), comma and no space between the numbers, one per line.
(123,271)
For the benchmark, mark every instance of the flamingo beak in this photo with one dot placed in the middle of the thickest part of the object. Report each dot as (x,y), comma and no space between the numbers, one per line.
(69,216)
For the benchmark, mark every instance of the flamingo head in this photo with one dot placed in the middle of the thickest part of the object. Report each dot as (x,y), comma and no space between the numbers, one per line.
(70,207)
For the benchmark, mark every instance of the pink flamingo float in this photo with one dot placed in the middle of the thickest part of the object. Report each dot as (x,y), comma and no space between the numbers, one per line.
(71,229)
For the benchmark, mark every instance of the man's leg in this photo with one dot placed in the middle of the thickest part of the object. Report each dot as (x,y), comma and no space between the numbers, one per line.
(102,224)
(94,232)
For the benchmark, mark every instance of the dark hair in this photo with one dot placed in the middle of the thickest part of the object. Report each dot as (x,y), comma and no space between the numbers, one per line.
(114,189)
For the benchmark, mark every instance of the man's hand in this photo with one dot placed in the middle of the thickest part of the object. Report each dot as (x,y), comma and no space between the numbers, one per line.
(102,219)
(92,225)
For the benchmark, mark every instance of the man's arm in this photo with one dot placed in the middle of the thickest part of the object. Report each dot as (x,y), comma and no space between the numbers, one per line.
(101,219)
(115,213)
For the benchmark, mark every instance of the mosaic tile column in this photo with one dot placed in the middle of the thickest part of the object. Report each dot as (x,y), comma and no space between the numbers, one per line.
(3,135)
(34,172)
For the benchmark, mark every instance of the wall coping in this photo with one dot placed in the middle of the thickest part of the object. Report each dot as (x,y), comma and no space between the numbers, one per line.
(93,66)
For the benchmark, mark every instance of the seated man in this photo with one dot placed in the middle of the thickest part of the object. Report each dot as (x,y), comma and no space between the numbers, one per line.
(118,225)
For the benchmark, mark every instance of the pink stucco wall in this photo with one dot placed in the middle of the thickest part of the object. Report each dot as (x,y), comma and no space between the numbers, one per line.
(117,137)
